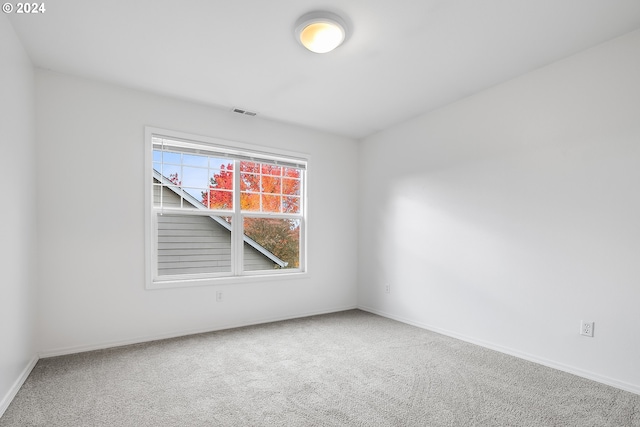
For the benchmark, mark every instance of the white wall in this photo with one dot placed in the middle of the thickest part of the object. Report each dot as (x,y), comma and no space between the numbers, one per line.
(17,214)
(508,217)
(91,222)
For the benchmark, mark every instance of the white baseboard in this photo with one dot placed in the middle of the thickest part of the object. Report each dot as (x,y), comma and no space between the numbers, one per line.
(138,340)
(633,388)
(6,400)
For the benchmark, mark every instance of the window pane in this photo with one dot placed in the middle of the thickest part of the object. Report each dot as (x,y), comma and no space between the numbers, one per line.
(291,186)
(217,199)
(277,243)
(172,197)
(169,174)
(267,179)
(195,160)
(249,182)
(291,204)
(250,202)
(270,203)
(157,194)
(250,167)
(171,157)
(168,196)
(267,169)
(222,179)
(291,172)
(219,195)
(199,178)
(190,244)
(271,184)
(197,199)
(195,177)
(217,163)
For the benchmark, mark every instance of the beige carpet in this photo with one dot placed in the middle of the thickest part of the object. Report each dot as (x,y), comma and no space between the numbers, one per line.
(345,369)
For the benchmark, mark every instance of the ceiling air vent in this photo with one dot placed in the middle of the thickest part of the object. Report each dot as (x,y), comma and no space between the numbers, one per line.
(245,112)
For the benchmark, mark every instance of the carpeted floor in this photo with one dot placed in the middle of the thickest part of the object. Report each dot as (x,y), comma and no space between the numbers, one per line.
(344,369)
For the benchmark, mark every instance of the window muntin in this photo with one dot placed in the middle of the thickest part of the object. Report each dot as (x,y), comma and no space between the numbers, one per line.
(209,222)
(193,174)
(269,188)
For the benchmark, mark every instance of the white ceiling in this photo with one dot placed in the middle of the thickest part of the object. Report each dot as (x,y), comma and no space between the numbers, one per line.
(403,58)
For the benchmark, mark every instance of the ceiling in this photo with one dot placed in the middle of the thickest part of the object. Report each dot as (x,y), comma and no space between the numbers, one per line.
(403,57)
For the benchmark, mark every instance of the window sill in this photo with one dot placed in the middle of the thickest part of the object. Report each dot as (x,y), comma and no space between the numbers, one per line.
(257,278)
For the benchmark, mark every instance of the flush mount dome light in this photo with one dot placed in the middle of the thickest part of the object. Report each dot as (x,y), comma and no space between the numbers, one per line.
(321,32)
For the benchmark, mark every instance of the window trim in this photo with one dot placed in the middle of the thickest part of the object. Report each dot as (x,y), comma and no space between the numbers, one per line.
(237,151)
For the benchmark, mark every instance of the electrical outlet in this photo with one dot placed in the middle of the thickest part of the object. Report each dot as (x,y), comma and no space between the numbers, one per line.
(219,296)
(586,328)
(387,288)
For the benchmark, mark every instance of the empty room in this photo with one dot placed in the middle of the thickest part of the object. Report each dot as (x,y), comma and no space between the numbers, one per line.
(300,213)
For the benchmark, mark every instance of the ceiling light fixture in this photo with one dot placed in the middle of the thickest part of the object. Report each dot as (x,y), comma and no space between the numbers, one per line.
(321,32)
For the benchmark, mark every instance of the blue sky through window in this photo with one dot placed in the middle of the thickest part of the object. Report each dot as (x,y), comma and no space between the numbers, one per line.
(194,172)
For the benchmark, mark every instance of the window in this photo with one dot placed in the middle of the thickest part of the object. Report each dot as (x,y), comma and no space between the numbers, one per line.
(221,211)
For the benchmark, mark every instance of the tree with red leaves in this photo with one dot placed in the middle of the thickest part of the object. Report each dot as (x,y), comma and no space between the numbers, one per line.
(263,188)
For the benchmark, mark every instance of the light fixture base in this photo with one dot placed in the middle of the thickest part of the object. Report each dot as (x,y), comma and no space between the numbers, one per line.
(321,31)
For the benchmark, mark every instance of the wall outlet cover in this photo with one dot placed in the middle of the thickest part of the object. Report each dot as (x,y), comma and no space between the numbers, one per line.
(586,328)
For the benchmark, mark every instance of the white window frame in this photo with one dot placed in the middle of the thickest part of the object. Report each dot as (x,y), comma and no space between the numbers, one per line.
(237,275)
